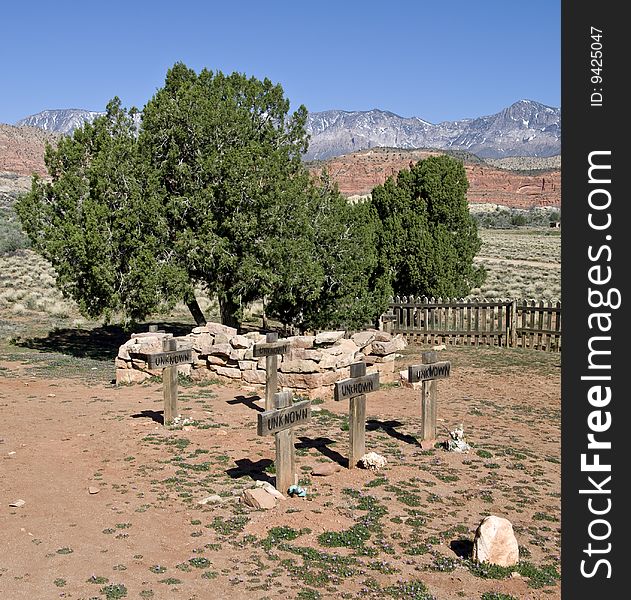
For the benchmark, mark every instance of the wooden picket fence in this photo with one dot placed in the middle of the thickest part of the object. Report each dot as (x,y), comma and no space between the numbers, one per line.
(476,322)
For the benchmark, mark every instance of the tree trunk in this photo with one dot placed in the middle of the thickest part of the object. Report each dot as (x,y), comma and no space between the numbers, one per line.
(196,311)
(229,312)
(264,313)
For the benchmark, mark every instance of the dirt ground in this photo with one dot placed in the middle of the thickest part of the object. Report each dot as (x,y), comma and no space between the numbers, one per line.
(402,532)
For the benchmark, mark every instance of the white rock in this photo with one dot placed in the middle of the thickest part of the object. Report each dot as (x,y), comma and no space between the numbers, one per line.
(214,499)
(457,443)
(270,489)
(373,461)
(495,542)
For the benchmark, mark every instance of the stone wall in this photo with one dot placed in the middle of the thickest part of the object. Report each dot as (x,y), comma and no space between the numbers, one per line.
(310,368)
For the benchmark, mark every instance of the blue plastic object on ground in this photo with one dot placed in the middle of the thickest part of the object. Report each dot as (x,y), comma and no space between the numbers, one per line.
(296,490)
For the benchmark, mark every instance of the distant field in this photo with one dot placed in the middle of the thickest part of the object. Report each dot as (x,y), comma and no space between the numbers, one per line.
(526,163)
(521,263)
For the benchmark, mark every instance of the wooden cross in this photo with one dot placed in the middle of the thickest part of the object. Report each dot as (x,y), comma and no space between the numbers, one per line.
(168,360)
(281,422)
(428,373)
(271,348)
(356,389)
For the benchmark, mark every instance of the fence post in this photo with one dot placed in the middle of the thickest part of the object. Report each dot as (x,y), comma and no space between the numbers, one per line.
(512,324)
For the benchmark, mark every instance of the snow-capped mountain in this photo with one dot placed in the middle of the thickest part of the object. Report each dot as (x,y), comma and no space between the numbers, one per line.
(526,128)
(61,121)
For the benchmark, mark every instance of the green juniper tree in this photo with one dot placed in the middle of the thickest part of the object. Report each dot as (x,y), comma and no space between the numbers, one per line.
(100,222)
(428,238)
(228,157)
(209,190)
(342,258)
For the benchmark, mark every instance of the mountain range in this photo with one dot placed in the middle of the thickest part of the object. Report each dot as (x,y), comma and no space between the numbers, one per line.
(526,128)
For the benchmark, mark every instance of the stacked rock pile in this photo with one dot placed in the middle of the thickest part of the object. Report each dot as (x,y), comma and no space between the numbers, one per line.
(310,368)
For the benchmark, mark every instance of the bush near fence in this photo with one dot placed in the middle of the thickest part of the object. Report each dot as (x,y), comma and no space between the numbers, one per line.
(477,322)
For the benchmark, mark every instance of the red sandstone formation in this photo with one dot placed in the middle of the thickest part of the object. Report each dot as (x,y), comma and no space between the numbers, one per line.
(359,172)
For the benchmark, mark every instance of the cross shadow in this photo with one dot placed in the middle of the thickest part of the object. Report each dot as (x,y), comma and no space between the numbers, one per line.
(322,446)
(462,548)
(154,415)
(248,401)
(255,470)
(389,428)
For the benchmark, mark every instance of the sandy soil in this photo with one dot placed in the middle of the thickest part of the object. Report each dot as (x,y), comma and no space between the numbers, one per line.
(144,535)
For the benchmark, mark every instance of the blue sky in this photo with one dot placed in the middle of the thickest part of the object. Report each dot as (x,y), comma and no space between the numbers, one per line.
(432,59)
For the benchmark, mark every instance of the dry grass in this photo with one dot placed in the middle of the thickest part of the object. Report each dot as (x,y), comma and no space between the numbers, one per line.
(521,263)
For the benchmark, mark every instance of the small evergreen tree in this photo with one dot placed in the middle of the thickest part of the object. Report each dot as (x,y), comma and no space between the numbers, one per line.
(228,158)
(99,221)
(428,238)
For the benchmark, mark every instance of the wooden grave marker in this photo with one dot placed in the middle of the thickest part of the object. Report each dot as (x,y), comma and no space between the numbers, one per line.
(428,373)
(168,360)
(281,422)
(355,388)
(270,349)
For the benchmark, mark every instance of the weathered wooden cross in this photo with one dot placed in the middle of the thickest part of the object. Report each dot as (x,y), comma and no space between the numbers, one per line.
(281,422)
(168,360)
(271,348)
(428,373)
(356,389)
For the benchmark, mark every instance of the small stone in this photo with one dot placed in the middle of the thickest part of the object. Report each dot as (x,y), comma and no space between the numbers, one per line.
(373,461)
(328,337)
(301,341)
(213,499)
(93,490)
(363,338)
(495,542)
(382,348)
(222,338)
(219,328)
(240,341)
(457,443)
(124,376)
(17,504)
(270,489)
(326,469)
(258,498)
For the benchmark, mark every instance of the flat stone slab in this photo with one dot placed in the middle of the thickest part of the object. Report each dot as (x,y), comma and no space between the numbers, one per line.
(328,337)
(326,469)
(258,498)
